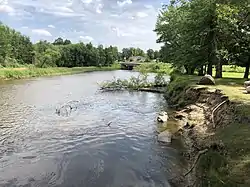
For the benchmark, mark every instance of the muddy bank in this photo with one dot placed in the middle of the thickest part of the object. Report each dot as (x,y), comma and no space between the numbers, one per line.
(209,128)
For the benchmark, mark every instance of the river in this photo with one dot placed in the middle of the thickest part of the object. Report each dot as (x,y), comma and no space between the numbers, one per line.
(40,148)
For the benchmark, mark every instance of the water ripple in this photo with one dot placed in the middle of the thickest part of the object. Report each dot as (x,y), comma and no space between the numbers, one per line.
(39,148)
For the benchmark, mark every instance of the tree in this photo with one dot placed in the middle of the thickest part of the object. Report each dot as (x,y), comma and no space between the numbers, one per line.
(58,41)
(201,33)
(150,54)
(66,42)
(156,55)
(126,53)
(14,47)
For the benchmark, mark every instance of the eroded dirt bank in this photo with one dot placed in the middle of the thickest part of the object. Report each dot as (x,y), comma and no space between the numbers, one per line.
(215,132)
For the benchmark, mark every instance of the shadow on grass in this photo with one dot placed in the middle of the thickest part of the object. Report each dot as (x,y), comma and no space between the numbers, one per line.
(230,81)
(236,138)
(232,87)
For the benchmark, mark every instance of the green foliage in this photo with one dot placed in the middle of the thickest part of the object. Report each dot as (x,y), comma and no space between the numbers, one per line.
(134,82)
(130,52)
(202,33)
(150,54)
(159,79)
(176,91)
(17,50)
(31,71)
(162,68)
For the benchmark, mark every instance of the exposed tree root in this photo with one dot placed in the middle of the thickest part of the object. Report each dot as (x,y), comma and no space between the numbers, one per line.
(216,108)
(195,162)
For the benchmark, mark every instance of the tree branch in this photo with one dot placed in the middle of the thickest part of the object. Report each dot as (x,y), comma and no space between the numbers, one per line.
(196,160)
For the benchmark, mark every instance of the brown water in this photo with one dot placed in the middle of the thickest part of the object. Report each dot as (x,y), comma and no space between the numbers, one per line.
(40,148)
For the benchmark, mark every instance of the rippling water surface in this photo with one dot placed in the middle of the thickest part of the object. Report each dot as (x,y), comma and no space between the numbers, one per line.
(40,148)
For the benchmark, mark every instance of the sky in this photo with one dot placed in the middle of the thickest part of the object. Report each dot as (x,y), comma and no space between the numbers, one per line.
(123,23)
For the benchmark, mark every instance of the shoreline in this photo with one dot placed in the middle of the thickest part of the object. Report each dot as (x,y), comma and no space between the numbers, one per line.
(209,129)
(23,73)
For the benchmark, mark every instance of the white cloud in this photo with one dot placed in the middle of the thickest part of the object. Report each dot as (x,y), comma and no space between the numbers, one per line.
(86,38)
(51,26)
(141,14)
(87,1)
(119,32)
(24,27)
(41,32)
(123,3)
(99,8)
(149,6)
(114,15)
(63,9)
(123,23)
(6,9)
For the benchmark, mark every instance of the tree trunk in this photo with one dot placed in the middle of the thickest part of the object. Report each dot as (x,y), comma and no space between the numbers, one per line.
(186,68)
(212,45)
(210,69)
(192,69)
(201,71)
(246,74)
(218,69)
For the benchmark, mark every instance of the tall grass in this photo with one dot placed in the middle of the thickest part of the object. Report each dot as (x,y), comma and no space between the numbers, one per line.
(25,72)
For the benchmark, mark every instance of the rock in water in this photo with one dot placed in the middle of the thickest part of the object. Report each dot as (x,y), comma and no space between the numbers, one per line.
(246,84)
(207,80)
(163,117)
(165,137)
(248,89)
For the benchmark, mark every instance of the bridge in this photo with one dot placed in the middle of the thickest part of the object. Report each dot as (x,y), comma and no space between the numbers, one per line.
(129,65)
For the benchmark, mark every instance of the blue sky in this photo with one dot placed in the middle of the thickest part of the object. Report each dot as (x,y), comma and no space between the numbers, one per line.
(124,23)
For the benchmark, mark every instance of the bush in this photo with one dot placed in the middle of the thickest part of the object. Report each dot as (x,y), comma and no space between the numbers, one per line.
(11,63)
(163,68)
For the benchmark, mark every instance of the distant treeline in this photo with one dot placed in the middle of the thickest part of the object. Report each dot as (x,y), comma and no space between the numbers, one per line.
(17,49)
(200,34)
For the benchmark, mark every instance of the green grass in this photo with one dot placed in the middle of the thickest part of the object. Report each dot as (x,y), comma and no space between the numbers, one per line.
(231,85)
(153,67)
(236,138)
(231,68)
(25,72)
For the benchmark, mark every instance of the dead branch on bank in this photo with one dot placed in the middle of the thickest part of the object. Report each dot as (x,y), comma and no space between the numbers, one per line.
(216,108)
(196,160)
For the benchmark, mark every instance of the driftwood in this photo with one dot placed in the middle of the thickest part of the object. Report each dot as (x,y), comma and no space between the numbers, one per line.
(196,160)
(216,108)
(66,109)
(109,124)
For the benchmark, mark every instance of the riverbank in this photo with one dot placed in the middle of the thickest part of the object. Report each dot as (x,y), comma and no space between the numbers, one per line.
(27,72)
(215,131)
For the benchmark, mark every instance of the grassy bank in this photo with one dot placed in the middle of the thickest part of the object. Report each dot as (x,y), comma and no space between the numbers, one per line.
(229,166)
(26,72)
(153,67)
(231,85)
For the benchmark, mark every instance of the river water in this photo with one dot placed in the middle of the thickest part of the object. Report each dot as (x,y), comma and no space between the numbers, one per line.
(40,148)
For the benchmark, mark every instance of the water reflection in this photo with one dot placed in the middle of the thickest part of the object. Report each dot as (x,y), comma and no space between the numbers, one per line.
(40,148)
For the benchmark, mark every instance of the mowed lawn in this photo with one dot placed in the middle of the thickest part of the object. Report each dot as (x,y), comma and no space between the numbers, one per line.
(232,85)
